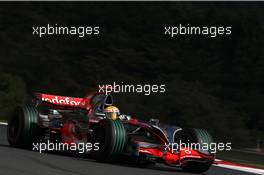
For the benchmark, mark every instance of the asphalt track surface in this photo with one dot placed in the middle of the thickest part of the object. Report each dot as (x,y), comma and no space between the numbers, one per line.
(14,161)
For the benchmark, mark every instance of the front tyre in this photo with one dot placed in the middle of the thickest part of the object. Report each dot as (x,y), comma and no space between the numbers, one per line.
(111,137)
(199,136)
(22,129)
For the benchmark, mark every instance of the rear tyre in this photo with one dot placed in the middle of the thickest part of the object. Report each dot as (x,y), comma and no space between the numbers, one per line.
(111,137)
(22,129)
(199,136)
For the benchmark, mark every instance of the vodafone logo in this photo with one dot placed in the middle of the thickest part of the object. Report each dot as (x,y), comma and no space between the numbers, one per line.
(61,100)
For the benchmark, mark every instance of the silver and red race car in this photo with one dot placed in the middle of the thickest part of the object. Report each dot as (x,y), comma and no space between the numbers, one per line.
(93,119)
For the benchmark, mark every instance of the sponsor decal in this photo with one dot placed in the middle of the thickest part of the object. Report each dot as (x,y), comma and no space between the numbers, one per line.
(61,100)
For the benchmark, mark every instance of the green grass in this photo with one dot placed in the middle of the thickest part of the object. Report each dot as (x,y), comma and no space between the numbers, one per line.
(244,158)
(2,120)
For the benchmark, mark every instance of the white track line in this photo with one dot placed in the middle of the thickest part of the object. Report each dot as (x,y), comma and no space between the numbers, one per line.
(245,169)
(239,168)
(3,123)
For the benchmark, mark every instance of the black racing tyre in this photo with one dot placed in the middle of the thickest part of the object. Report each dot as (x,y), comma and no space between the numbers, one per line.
(112,138)
(193,136)
(197,167)
(201,137)
(22,129)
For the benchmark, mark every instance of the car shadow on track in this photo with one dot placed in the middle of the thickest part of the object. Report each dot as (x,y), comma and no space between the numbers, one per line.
(158,166)
(4,145)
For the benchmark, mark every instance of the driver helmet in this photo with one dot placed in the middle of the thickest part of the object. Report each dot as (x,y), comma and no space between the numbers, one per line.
(112,112)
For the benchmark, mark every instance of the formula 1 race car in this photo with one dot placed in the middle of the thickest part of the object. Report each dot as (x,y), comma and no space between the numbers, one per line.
(93,119)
